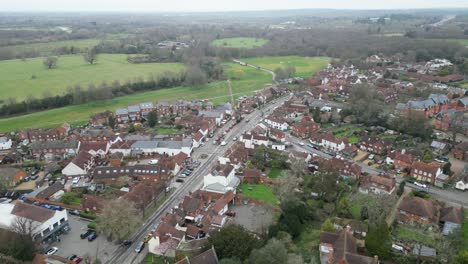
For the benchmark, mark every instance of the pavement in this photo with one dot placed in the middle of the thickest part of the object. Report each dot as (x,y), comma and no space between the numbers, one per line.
(253,217)
(192,183)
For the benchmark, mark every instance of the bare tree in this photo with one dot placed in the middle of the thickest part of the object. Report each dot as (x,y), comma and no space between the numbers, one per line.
(118,219)
(90,56)
(50,62)
(25,226)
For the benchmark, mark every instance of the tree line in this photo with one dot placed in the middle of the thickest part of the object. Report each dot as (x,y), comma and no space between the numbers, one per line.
(77,95)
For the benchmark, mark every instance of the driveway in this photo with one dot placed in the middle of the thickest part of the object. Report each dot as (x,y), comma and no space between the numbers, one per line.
(71,243)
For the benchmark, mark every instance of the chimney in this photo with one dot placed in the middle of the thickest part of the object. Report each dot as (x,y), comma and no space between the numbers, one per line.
(403,151)
(376,260)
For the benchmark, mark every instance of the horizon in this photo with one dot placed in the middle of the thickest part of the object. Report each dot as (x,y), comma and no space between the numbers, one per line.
(213,6)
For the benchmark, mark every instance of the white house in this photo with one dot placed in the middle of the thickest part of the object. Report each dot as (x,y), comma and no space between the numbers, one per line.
(276,122)
(5,143)
(80,165)
(43,222)
(331,143)
(221,179)
(462,184)
(278,146)
(164,147)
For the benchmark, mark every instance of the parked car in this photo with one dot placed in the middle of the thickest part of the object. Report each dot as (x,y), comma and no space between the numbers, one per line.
(76,180)
(153,229)
(77,260)
(230,213)
(52,251)
(420,184)
(72,257)
(371,156)
(5,200)
(234,139)
(34,177)
(139,247)
(223,143)
(148,237)
(301,143)
(34,172)
(126,243)
(74,212)
(179,180)
(92,236)
(86,234)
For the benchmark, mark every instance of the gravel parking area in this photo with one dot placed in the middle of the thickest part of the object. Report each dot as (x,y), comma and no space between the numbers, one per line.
(255,218)
(71,243)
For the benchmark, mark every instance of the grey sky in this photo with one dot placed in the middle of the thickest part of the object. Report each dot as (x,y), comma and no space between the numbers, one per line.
(219,5)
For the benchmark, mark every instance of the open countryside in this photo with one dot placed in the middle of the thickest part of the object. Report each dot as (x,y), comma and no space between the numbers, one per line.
(20,79)
(47,48)
(245,81)
(305,66)
(246,43)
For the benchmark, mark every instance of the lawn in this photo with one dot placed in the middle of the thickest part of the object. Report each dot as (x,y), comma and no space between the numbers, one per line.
(245,81)
(259,192)
(156,259)
(167,131)
(275,173)
(47,48)
(16,76)
(354,139)
(247,43)
(305,66)
(309,240)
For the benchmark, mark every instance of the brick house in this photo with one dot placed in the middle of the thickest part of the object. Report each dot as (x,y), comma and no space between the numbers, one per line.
(100,118)
(50,149)
(341,247)
(304,128)
(418,210)
(252,176)
(277,135)
(444,119)
(121,115)
(164,108)
(377,184)
(134,113)
(426,172)
(374,145)
(461,151)
(346,168)
(146,108)
(11,176)
(462,104)
(400,159)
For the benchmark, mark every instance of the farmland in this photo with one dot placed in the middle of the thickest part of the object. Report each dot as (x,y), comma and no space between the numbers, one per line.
(245,81)
(247,43)
(47,48)
(20,79)
(305,66)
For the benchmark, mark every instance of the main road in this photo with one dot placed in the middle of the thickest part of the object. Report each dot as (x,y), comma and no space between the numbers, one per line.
(192,183)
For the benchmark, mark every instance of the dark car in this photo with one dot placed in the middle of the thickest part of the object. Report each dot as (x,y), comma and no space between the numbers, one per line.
(72,257)
(127,243)
(86,234)
(230,213)
(92,236)
(179,180)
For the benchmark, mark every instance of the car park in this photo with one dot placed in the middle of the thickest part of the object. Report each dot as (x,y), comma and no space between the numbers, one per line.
(86,234)
(52,251)
(140,247)
(92,236)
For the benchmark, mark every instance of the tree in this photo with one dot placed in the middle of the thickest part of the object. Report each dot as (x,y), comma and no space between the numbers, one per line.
(118,219)
(233,241)
(273,252)
(111,121)
(327,226)
(230,261)
(446,169)
(195,76)
(462,257)
(378,241)
(401,188)
(152,118)
(90,56)
(50,62)
(25,226)
(366,105)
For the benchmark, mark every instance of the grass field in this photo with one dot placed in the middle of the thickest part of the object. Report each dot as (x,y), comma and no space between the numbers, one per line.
(47,48)
(259,192)
(249,80)
(274,173)
(247,43)
(465,230)
(461,41)
(16,75)
(305,66)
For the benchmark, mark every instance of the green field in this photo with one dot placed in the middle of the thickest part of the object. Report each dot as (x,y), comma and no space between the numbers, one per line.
(46,48)
(305,66)
(259,192)
(461,41)
(275,173)
(16,75)
(246,81)
(247,43)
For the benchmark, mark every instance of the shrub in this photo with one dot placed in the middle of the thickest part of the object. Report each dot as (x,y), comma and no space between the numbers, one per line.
(88,215)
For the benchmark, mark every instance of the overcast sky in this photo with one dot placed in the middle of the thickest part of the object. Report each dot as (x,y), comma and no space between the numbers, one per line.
(218,5)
